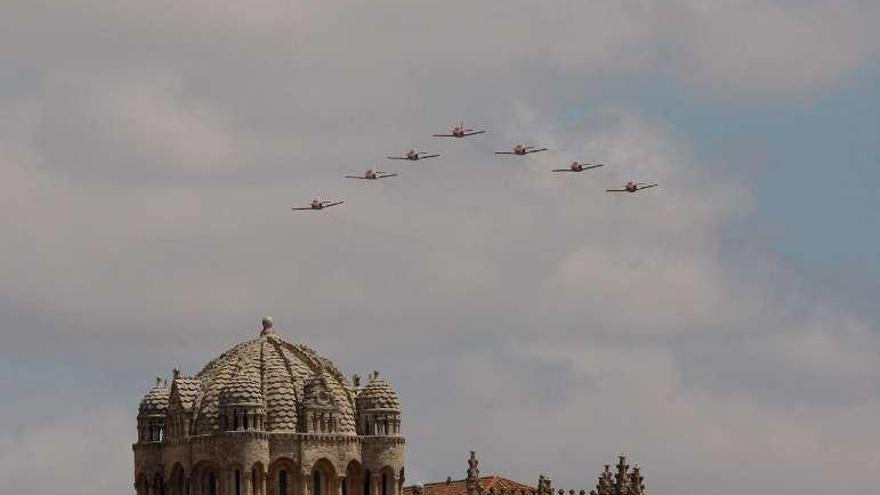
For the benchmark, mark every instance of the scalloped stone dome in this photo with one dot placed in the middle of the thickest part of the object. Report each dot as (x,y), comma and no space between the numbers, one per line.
(244,389)
(273,372)
(378,394)
(156,400)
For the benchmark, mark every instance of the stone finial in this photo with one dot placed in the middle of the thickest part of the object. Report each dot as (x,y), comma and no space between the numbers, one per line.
(473,475)
(267,323)
(374,375)
(356,380)
(176,373)
(158,381)
(545,485)
(449,480)
(624,480)
(473,472)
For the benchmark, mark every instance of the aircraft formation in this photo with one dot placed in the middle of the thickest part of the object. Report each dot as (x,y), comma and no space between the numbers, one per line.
(460,131)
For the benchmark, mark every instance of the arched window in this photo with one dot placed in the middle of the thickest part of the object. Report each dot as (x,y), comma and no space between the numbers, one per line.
(316,482)
(237,482)
(367,477)
(254,481)
(345,482)
(282,482)
(158,485)
(384,484)
(212,484)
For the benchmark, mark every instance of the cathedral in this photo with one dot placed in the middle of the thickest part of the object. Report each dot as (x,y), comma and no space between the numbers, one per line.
(271,417)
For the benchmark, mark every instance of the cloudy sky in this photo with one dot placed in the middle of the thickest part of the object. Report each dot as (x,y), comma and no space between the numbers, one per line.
(720,329)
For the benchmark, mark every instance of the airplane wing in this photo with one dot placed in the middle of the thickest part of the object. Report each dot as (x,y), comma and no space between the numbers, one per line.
(648,186)
(398,158)
(594,166)
(471,133)
(385,176)
(355,177)
(299,209)
(328,205)
(505,153)
(428,156)
(616,190)
(562,170)
(535,151)
(443,135)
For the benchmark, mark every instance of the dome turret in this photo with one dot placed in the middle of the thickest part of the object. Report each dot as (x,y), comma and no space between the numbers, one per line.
(243,390)
(240,403)
(378,408)
(151,412)
(156,400)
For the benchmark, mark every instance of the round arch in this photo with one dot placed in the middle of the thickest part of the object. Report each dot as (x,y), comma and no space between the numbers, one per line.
(205,479)
(238,476)
(257,477)
(387,481)
(323,478)
(177,480)
(354,479)
(283,477)
(158,485)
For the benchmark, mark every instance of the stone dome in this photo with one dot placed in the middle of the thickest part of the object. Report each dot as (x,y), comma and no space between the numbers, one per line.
(273,372)
(242,390)
(378,395)
(156,400)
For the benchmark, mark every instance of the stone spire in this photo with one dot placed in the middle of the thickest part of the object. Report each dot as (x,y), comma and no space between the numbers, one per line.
(545,485)
(473,475)
(621,482)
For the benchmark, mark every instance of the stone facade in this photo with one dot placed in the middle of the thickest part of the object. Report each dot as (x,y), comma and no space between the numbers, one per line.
(269,417)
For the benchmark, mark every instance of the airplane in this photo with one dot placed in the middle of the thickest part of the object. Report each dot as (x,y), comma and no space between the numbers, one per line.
(319,205)
(459,132)
(521,150)
(371,174)
(632,187)
(412,155)
(578,167)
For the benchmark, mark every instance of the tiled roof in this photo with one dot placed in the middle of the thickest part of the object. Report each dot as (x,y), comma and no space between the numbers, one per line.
(459,487)
(156,400)
(378,394)
(187,390)
(243,389)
